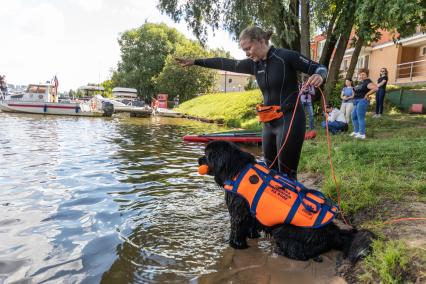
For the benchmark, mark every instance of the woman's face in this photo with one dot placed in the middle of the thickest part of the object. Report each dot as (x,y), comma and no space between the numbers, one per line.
(362,76)
(255,50)
(348,83)
(382,72)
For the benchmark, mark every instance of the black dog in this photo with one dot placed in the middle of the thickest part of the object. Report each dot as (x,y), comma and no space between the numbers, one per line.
(225,160)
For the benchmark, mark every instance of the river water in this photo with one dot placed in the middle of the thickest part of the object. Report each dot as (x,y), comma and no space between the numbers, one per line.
(116,200)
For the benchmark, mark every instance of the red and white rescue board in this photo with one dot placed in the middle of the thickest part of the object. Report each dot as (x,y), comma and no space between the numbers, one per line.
(237,137)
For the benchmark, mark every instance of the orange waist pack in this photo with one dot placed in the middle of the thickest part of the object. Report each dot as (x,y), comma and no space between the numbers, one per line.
(268,113)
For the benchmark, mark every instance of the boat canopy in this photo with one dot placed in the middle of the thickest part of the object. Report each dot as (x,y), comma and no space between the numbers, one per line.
(124,90)
(38,88)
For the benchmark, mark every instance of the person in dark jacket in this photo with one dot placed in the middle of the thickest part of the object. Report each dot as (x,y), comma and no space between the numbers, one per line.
(362,91)
(275,70)
(381,92)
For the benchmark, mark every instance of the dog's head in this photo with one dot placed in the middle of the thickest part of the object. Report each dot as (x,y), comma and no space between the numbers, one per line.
(224,160)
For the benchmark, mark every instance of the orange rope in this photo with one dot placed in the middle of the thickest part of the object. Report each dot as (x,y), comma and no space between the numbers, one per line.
(329,146)
(331,161)
(329,157)
(402,219)
(289,128)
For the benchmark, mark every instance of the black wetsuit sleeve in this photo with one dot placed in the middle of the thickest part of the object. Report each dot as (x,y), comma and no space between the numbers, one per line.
(238,66)
(305,65)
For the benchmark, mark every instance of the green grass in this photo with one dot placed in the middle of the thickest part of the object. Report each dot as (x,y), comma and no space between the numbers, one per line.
(237,109)
(388,165)
(391,262)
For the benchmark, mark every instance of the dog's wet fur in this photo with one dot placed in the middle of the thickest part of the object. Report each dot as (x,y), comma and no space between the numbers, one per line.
(225,160)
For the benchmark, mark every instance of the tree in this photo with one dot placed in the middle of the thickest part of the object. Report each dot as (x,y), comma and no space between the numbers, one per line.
(108,86)
(185,82)
(280,16)
(305,36)
(143,54)
(354,58)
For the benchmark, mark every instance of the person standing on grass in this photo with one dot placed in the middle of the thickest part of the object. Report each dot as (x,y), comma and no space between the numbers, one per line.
(381,92)
(363,91)
(276,74)
(306,99)
(347,95)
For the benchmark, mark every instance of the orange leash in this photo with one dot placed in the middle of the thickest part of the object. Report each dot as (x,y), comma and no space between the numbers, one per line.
(331,161)
(329,158)
(402,219)
(329,147)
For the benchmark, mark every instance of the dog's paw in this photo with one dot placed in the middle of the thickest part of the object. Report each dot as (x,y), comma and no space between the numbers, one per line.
(238,244)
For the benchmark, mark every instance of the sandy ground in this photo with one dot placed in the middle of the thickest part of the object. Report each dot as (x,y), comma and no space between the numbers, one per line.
(255,265)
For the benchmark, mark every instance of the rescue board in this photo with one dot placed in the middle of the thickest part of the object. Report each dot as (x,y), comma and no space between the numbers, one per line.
(236,137)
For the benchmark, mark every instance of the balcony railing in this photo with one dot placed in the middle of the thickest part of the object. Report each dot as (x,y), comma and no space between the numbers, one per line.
(410,70)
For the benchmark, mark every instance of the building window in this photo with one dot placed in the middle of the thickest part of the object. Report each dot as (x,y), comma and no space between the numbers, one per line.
(422,50)
(366,59)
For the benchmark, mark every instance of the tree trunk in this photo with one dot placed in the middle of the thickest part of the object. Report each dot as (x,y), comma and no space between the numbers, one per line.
(305,35)
(333,72)
(354,59)
(293,20)
(330,43)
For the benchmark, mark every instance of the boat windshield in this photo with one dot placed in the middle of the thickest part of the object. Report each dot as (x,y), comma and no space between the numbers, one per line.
(37,89)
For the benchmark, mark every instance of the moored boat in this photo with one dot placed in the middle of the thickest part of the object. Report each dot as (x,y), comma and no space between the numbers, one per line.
(167,112)
(43,99)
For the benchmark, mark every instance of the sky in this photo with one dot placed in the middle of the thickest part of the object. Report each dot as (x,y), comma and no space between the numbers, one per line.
(76,39)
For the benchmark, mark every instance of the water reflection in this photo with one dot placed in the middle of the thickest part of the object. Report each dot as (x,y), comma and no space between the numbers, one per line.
(112,200)
(178,227)
(115,200)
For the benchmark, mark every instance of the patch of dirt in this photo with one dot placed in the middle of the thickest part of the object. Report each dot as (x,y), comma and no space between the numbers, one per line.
(413,232)
(310,180)
(394,227)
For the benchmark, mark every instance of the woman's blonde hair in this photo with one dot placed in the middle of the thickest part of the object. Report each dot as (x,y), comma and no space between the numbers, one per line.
(255,33)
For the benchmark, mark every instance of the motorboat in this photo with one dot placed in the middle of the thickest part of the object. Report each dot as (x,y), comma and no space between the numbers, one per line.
(43,99)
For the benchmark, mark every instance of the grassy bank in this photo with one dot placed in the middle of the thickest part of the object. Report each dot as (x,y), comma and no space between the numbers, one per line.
(381,178)
(236,108)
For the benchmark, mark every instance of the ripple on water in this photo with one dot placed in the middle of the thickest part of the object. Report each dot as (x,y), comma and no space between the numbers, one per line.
(114,200)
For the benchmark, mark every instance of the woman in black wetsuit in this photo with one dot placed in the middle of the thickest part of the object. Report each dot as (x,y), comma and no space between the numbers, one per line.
(276,74)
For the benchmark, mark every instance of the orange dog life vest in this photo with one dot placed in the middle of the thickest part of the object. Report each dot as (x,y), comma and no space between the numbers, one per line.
(275,199)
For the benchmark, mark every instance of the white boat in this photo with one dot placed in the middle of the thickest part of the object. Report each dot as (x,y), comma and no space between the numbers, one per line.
(42,99)
(167,112)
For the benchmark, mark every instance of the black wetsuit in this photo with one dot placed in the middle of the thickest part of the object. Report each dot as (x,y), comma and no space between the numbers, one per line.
(277,79)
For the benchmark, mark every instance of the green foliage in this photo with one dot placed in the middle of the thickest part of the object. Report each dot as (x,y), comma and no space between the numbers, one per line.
(386,14)
(251,85)
(108,86)
(185,82)
(143,54)
(388,263)
(234,16)
(236,109)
